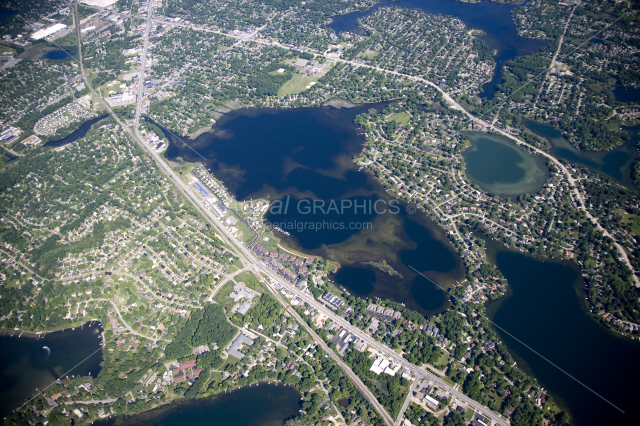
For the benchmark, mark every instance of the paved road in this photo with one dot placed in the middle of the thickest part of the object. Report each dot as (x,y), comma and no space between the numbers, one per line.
(553,61)
(356,380)
(578,195)
(249,259)
(407,401)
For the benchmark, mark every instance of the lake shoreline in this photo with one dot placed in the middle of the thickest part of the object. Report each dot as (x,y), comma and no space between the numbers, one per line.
(163,411)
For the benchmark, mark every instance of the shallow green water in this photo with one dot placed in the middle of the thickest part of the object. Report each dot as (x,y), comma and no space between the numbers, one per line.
(500,166)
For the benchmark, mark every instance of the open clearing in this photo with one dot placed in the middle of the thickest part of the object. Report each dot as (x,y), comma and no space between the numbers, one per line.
(297,84)
(400,118)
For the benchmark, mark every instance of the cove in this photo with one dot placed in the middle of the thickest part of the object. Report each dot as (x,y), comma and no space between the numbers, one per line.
(545,309)
(25,365)
(494,19)
(76,134)
(500,166)
(263,405)
(299,156)
(615,163)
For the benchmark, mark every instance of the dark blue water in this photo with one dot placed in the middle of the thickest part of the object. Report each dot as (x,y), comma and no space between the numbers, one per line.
(626,94)
(361,281)
(77,134)
(4,13)
(493,19)
(596,41)
(59,55)
(25,365)
(546,311)
(263,405)
(615,164)
(300,156)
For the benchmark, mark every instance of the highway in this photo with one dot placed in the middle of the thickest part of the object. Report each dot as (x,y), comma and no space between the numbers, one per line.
(248,258)
(575,189)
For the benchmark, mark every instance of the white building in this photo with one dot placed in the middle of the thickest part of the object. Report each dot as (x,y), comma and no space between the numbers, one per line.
(99,4)
(45,32)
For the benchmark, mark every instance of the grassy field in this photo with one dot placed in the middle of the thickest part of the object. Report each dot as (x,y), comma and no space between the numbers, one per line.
(297,84)
(443,361)
(271,244)
(369,55)
(469,413)
(247,235)
(249,279)
(400,118)
(626,218)
(4,49)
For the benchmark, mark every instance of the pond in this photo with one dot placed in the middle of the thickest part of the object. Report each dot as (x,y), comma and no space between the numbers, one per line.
(263,405)
(494,19)
(545,309)
(302,158)
(626,94)
(615,163)
(500,166)
(59,55)
(27,363)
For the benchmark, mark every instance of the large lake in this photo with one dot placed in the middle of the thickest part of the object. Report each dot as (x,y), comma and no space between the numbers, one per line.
(494,19)
(545,308)
(500,166)
(304,155)
(25,365)
(263,405)
(615,163)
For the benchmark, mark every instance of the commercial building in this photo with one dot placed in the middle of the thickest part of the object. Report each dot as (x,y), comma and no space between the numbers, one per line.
(99,4)
(45,32)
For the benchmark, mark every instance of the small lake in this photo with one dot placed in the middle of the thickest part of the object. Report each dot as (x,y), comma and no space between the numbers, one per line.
(494,19)
(615,163)
(626,94)
(25,365)
(545,308)
(76,134)
(500,166)
(59,55)
(4,13)
(263,405)
(301,156)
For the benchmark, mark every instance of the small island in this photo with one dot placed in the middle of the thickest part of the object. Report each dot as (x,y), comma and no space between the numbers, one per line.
(384,267)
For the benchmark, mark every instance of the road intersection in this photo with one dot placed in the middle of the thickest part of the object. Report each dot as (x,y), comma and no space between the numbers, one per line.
(249,259)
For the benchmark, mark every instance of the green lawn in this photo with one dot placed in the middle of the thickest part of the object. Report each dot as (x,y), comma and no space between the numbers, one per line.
(369,56)
(249,279)
(469,413)
(247,234)
(400,118)
(627,218)
(222,297)
(443,361)
(4,49)
(297,84)
(271,244)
